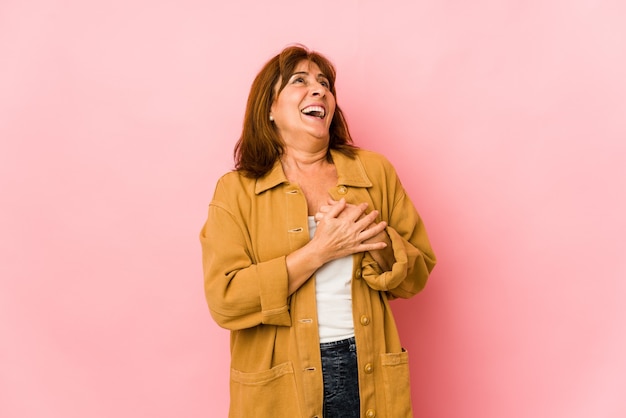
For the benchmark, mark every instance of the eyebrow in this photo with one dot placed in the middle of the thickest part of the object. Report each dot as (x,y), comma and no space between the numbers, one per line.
(306,73)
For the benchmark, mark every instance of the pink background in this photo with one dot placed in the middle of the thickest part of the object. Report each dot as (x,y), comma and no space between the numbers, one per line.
(505,119)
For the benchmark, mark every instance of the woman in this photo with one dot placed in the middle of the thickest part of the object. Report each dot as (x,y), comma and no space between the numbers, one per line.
(304,245)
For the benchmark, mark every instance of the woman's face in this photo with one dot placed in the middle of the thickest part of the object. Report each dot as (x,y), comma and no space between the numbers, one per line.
(304,109)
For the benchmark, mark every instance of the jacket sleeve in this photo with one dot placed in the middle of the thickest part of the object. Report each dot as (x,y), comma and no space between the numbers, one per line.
(414,257)
(240,292)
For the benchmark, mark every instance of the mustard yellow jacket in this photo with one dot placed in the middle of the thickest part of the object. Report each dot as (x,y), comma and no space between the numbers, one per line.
(275,358)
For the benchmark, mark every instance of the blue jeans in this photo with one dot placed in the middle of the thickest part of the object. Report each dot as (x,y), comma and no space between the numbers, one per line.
(341,379)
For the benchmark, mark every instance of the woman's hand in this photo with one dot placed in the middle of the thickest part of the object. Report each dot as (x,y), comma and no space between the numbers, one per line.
(383,256)
(342,229)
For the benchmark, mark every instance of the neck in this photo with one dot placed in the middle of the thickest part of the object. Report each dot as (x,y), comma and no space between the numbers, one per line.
(301,160)
(302,167)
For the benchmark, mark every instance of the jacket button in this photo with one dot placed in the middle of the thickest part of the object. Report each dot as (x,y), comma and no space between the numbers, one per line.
(357,274)
(342,189)
(365,320)
(370,413)
(369,368)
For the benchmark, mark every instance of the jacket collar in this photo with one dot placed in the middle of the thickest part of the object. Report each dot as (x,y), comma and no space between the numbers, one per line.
(350,172)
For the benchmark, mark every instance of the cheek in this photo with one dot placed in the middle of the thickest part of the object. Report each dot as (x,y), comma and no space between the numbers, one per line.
(334,108)
(333,102)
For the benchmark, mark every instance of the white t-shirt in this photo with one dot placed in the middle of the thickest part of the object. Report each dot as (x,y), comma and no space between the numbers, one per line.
(333,291)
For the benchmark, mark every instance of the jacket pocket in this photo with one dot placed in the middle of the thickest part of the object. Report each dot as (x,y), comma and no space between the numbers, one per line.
(396,376)
(270,393)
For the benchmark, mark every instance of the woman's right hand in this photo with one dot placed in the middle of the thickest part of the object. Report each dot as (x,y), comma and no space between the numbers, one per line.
(344,229)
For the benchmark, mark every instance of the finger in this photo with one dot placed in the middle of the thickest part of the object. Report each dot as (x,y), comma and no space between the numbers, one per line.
(330,203)
(324,208)
(349,205)
(373,246)
(373,231)
(366,219)
(336,209)
(354,212)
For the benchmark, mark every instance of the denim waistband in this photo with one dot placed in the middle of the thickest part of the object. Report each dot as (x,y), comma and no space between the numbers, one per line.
(337,344)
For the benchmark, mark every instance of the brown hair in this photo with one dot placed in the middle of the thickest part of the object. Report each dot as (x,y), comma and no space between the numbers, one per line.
(260,146)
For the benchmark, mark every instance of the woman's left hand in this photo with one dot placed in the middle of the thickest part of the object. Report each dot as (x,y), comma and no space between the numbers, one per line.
(384,257)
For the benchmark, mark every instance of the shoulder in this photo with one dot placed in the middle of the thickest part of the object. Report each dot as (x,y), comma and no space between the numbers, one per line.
(375,162)
(233,184)
(234,177)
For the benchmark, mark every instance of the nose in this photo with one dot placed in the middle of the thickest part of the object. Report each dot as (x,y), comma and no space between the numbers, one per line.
(318,90)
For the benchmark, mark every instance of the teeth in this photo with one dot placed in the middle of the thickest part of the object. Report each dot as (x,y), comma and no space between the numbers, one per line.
(314,111)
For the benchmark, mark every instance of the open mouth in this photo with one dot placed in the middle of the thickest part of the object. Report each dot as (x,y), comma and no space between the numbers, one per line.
(316,111)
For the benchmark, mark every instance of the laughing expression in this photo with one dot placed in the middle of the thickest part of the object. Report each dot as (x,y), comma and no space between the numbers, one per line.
(304,109)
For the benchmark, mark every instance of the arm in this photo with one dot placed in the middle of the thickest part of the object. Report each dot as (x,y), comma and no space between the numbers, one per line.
(243,292)
(414,257)
(402,267)
(337,235)
(342,232)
